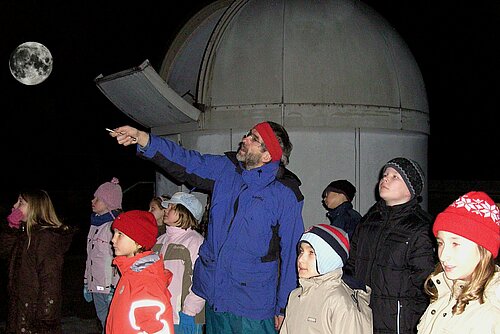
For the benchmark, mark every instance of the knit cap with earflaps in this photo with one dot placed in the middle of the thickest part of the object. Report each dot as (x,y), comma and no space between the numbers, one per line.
(473,216)
(111,194)
(330,244)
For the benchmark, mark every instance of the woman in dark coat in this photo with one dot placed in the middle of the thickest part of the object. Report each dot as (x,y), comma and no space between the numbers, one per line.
(36,263)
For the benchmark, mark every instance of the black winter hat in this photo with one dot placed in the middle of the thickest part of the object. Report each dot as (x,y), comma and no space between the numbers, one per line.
(342,187)
(411,172)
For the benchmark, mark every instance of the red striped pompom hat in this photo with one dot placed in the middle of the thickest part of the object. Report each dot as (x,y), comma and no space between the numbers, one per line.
(331,245)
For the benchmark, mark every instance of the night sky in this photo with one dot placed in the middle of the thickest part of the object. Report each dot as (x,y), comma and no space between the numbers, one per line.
(53,133)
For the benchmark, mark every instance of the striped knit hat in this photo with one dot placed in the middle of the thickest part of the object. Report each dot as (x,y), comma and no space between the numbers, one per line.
(411,172)
(331,245)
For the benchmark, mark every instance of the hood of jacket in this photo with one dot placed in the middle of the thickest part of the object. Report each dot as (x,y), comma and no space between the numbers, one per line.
(62,236)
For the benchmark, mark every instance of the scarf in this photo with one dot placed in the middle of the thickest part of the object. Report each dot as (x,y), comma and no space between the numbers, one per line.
(98,220)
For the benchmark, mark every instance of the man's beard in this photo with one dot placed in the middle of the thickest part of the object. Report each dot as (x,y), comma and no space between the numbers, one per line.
(248,160)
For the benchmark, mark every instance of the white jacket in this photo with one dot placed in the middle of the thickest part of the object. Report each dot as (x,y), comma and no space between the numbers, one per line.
(476,319)
(325,304)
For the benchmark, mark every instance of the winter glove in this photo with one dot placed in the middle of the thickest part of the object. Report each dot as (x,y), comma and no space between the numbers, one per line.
(86,294)
(14,218)
(110,294)
(186,324)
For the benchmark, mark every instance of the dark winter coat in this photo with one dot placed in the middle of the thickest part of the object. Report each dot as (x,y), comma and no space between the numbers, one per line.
(35,279)
(392,251)
(344,217)
(8,237)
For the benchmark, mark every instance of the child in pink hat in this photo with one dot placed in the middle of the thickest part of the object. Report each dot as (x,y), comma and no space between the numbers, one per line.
(100,276)
(465,286)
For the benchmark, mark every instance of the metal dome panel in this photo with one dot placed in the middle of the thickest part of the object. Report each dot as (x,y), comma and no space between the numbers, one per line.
(181,65)
(297,54)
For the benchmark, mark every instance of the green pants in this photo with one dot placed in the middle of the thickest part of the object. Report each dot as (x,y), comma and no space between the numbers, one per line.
(228,323)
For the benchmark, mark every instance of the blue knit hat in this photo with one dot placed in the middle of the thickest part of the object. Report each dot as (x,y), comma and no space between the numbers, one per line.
(331,245)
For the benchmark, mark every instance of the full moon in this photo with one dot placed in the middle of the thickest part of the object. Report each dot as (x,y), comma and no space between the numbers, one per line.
(31,63)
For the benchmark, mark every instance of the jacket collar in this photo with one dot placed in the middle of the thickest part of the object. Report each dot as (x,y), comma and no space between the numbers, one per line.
(283,175)
(136,263)
(332,278)
(396,210)
(261,176)
(446,287)
(342,208)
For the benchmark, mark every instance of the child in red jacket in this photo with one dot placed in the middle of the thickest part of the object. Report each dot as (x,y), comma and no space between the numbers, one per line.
(141,302)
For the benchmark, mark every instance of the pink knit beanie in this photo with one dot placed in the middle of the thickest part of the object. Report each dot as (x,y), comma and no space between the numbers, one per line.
(111,194)
(473,216)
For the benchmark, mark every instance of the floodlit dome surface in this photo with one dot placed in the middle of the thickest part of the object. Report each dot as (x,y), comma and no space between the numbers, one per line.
(326,54)
(333,72)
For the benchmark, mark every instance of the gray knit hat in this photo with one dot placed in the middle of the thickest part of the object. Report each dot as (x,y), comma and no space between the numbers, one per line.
(411,172)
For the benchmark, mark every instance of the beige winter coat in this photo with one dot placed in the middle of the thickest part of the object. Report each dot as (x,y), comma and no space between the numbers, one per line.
(476,318)
(325,304)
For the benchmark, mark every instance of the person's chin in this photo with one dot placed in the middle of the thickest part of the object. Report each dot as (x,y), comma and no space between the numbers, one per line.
(240,156)
(304,273)
(450,273)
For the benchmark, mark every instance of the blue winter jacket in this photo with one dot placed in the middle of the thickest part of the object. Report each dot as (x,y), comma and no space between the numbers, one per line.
(254,226)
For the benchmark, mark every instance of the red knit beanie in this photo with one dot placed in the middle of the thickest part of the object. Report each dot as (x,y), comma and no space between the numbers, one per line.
(473,216)
(139,226)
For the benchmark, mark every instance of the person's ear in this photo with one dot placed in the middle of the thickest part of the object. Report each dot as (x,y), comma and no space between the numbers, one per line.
(266,157)
(137,248)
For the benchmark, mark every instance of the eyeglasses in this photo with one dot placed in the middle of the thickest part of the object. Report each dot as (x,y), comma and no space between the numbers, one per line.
(254,139)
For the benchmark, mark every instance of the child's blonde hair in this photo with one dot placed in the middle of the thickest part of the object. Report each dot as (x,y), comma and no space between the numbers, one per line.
(40,212)
(472,290)
(159,199)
